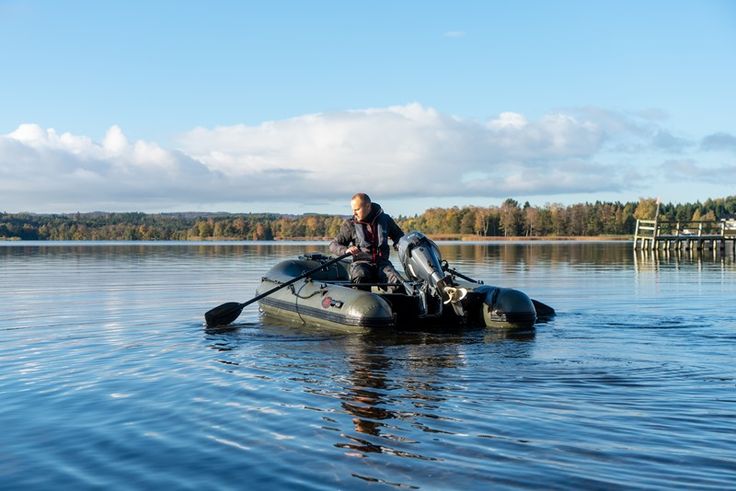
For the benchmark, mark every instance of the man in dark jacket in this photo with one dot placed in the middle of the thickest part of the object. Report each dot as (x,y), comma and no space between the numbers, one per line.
(365,236)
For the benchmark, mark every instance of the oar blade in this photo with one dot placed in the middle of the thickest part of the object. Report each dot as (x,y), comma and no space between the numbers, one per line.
(228,312)
(224,314)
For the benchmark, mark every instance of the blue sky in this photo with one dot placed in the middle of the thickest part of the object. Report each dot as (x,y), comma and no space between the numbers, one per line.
(293,106)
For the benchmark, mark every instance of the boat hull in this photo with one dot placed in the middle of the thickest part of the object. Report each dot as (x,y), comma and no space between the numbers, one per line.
(318,301)
(327,299)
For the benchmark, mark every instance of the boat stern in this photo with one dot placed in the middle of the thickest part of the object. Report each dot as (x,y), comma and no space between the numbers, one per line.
(508,308)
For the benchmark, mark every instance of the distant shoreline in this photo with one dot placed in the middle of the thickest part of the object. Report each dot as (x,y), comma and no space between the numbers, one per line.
(436,237)
(511,221)
(519,238)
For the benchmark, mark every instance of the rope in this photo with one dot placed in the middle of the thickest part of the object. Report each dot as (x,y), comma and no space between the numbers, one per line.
(296,294)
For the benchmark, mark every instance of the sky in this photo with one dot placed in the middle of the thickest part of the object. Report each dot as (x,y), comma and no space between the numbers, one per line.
(292,106)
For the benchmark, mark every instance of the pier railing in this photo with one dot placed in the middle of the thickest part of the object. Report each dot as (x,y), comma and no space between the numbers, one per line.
(688,234)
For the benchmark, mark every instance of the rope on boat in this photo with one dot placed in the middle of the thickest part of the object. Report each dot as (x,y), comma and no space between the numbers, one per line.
(296,294)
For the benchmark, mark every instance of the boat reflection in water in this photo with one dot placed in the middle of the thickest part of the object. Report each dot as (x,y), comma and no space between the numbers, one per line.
(392,384)
(395,380)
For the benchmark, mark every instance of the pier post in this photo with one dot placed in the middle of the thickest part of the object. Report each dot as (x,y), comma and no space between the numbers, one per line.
(636,233)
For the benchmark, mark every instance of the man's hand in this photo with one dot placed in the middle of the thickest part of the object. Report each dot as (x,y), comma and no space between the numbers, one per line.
(353,250)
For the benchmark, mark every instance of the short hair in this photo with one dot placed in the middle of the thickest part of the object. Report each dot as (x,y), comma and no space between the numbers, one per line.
(364,198)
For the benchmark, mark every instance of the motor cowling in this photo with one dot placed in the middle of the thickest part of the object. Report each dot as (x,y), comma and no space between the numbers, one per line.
(421,258)
(422,262)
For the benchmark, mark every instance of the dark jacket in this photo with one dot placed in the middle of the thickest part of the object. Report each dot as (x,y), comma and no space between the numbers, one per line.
(371,236)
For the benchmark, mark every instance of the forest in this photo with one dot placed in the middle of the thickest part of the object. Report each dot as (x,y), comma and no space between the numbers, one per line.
(511,220)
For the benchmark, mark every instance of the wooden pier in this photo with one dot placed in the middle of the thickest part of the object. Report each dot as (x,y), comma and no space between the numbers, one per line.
(685,235)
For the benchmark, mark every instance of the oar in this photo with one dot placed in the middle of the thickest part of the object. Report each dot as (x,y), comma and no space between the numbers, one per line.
(224,314)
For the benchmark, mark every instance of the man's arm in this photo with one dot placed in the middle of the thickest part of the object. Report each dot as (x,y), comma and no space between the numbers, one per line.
(394,231)
(344,238)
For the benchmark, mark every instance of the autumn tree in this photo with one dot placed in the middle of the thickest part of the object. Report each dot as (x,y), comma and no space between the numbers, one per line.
(646,209)
(510,217)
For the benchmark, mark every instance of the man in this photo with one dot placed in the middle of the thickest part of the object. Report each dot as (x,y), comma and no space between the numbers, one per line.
(365,236)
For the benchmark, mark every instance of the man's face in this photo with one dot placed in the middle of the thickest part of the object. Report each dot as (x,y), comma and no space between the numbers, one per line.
(360,209)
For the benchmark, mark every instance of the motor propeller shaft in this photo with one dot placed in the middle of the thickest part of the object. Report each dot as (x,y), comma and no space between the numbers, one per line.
(453,294)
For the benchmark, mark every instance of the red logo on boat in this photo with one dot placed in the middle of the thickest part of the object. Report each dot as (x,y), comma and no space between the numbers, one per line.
(326,302)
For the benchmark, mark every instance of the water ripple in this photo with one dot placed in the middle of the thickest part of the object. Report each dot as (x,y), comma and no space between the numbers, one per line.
(109,377)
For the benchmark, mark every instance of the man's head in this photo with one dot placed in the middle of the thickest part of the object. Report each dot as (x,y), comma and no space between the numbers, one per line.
(361,206)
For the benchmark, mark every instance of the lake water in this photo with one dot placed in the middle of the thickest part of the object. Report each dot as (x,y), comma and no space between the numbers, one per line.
(108,378)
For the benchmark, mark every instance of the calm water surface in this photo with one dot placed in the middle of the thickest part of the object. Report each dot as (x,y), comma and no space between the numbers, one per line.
(108,378)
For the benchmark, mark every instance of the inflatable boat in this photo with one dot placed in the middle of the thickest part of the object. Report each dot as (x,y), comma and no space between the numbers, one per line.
(432,295)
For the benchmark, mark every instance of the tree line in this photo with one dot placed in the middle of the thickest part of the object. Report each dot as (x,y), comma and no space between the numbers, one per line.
(510,219)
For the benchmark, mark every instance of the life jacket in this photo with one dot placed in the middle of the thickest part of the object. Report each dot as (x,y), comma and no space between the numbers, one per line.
(372,234)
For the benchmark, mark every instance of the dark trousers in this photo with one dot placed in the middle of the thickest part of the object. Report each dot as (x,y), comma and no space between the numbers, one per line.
(367,272)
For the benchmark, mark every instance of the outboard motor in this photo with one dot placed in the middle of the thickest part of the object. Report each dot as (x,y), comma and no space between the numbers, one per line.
(422,262)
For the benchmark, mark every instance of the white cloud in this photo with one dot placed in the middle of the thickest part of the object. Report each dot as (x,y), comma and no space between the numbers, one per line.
(689,170)
(401,150)
(115,142)
(408,151)
(508,120)
(665,140)
(42,170)
(719,141)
